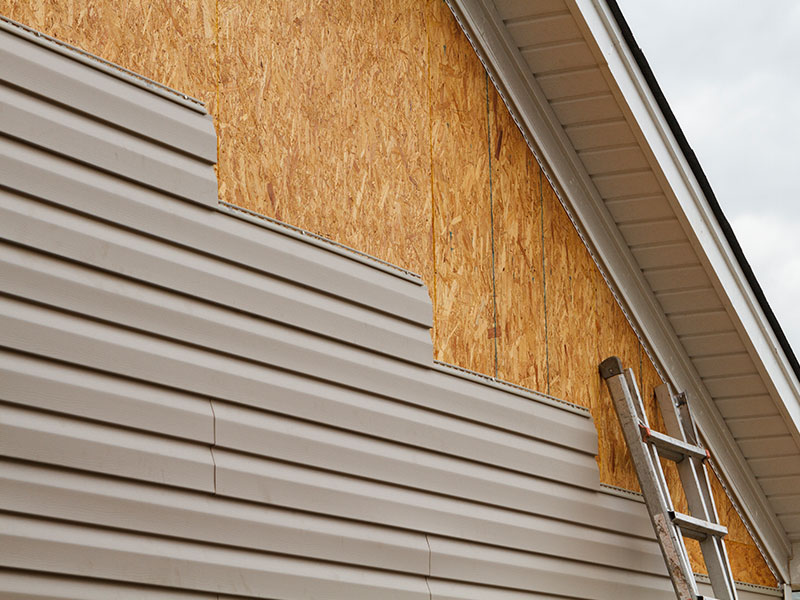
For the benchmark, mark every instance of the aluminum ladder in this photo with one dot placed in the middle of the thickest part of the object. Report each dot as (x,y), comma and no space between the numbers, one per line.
(682,446)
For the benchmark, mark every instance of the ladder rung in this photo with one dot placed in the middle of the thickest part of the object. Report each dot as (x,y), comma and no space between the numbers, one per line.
(696,528)
(670,447)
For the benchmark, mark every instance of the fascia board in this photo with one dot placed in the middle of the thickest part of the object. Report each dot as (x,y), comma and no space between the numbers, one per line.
(548,141)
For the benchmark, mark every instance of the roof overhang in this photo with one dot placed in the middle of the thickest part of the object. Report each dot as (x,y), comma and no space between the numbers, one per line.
(598,123)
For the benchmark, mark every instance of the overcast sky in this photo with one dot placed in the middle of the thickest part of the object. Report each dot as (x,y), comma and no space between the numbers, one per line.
(730,70)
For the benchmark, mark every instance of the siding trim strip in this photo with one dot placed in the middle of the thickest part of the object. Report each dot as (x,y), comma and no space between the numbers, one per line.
(102,65)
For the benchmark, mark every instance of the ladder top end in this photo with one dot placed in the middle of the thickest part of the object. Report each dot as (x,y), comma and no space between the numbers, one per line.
(610,367)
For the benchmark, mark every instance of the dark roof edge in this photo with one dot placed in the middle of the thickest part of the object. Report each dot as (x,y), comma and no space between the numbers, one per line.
(697,170)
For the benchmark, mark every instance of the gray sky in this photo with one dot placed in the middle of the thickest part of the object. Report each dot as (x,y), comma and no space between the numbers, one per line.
(730,70)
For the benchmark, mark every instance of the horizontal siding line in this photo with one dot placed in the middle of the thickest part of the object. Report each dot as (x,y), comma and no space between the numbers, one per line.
(318,491)
(255,218)
(519,566)
(59,585)
(707,335)
(187,496)
(510,387)
(149,215)
(536,17)
(316,423)
(35,435)
(206,264)
(89,381)
(76,138)
(91,277)
(297,418)
(413,488)
(105,122)
(101,64)
(277,412)
(158,489)
(216,569)
(647,542)
(211,544)
(149,290)
(117,337)
(97,421)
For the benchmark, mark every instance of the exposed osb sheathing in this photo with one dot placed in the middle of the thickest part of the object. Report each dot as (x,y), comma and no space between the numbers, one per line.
(571,307)
(463,299)
(746,560)
(614,337)
(374,123)
(518,267)
(324,124)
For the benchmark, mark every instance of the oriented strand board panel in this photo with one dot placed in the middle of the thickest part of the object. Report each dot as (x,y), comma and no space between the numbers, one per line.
(324,120)
(171,42)
(462,294)
(614,338)
(519,275)
(570,284)
(747,562)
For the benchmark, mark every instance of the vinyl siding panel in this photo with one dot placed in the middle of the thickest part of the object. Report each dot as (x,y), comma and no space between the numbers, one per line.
(194,405)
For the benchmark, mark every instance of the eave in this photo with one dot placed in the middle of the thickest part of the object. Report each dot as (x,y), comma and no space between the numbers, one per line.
(687,293)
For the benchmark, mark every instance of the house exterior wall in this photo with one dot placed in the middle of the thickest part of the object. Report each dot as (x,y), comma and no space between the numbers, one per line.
(515,293)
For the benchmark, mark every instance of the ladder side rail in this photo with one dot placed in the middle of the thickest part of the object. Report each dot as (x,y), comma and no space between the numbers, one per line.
(715,553)
(652,451)
(656,501)
(679,424)
(696,493)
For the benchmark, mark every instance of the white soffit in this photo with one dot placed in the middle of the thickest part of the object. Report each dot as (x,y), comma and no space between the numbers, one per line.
(577,93)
